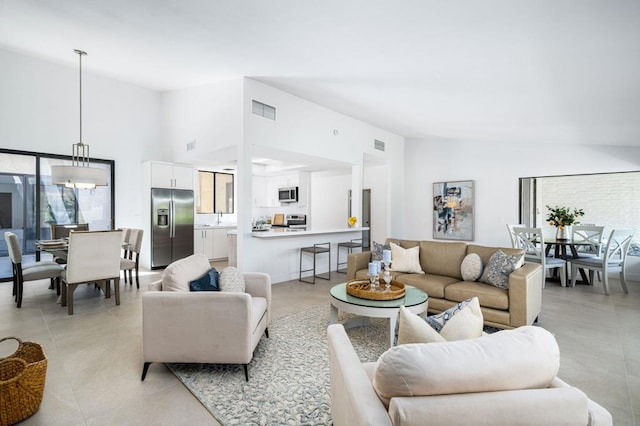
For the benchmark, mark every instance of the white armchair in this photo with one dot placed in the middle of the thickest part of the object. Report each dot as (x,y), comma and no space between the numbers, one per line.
(203,327)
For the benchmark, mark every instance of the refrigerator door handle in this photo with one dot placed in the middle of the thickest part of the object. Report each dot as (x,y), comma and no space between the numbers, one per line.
(172,227)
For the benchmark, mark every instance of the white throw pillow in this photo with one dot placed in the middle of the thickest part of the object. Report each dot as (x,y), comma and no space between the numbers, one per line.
(406,260)
(176,276)
(462,321)
(471,267)
(525,358)
(231,280)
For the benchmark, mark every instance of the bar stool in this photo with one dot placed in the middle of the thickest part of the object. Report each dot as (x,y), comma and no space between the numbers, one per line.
(350,245)
(315,250)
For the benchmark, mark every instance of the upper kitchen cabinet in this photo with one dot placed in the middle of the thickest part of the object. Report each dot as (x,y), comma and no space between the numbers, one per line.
(172,176)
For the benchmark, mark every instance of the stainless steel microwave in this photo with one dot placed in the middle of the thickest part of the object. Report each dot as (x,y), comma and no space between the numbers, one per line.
(288,195)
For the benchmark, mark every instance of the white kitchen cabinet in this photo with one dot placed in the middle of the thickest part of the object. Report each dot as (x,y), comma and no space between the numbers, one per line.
(203,242)
(220,247)
(258,186)
(172,176)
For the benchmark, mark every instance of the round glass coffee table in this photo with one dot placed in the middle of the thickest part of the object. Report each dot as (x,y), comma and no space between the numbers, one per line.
(414,299)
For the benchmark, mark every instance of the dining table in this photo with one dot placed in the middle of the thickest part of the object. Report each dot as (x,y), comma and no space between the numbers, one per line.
(560,251)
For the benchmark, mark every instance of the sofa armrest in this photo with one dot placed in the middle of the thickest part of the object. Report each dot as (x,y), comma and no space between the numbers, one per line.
(200,327)
(525,294)
(357,261)
(258,284)
(598,415)
(353,399)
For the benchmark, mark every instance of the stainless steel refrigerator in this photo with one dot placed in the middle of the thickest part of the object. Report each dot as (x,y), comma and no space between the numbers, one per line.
(171,225)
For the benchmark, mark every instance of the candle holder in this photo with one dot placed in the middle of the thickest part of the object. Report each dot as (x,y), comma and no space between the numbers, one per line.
(373,281)
(387,277)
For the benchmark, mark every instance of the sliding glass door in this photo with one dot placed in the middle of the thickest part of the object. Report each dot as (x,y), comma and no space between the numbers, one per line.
(30,203)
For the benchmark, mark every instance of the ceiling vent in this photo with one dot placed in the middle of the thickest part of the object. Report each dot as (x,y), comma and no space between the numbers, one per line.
(263,110)
(379,145)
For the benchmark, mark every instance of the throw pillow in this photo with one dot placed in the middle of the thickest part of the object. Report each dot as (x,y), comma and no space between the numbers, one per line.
(231,280)
(207,282)
(498,268)
(406,260)
(471,267)
(412,328)
(177,275)
(376,253)
(461,321)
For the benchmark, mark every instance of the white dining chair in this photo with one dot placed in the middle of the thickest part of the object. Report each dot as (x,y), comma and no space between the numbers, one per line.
(31,272)
(94,257)
(512,235)
(590,234)
(613,259)
(531,241)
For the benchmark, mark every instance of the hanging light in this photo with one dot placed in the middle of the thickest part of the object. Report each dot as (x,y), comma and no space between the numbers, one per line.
(79,174)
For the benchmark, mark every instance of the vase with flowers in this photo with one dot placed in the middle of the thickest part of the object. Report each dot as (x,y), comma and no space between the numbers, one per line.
(562,218)
(352,221)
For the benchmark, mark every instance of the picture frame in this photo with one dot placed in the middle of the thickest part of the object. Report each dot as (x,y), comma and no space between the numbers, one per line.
(453,210)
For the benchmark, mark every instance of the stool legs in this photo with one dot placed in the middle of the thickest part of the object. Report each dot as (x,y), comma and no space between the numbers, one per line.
(314,251)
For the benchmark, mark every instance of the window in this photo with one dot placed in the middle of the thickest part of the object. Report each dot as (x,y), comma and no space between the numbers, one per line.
(216,192)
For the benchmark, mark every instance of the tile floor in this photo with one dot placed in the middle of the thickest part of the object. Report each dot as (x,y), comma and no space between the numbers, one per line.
(95,356)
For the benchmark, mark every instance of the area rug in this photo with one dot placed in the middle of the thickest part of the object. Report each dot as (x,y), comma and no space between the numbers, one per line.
(288,376)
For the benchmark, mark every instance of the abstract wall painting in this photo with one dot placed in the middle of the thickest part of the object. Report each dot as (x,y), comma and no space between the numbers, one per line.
(453,210)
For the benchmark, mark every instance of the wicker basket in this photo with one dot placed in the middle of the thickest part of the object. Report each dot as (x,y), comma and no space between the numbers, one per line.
(22,377)
(362,289)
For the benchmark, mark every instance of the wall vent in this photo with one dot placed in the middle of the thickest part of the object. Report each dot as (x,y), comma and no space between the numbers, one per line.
(379,145)
(263,110)
(191,145)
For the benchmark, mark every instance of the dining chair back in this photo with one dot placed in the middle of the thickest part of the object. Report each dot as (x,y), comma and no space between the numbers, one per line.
(512,234)
(63,231)
(93,257)
(31,272)
(613,259)
(132,261)
(591,234)
(531,241)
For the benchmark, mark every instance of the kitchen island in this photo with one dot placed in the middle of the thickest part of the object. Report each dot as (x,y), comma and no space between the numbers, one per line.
(277,251)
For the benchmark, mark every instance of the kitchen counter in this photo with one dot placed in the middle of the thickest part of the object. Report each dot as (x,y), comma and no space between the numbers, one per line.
(221,226)
(288,232)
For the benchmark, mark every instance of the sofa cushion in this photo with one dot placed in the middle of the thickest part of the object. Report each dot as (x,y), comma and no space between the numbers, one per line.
(500,265)
(471,267)
(524,358)
(376,250)
(433,285)
(231,280)
(406,260)
(442,258)
(462,321)
(207,282)
(489,296)
(176,276)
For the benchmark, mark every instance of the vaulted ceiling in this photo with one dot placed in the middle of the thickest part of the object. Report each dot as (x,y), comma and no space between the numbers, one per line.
(536,71)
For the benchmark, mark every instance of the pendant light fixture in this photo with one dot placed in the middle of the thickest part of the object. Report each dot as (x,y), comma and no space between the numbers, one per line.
(79,174)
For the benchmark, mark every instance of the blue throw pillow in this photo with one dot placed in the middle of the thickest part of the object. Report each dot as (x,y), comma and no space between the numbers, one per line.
(207,282)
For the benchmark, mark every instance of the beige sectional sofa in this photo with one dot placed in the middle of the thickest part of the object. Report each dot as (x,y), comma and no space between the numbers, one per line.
(516,306)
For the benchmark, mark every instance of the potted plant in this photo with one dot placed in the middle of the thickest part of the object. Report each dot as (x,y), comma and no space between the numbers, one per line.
(562,218)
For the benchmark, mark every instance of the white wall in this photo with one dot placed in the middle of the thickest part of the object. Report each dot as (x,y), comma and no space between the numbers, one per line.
(210,115)
(39,111)
(329,202)
(495,168)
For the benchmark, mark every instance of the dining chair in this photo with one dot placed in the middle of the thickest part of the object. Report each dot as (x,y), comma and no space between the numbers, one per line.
(59,231)
(30,272)
(591,234)
(126,235)
(94,257)
(512,235)
(613,259)
(132,261)
(531,241)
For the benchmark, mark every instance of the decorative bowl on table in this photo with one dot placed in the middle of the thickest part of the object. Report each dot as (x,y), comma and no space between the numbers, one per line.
(362,289)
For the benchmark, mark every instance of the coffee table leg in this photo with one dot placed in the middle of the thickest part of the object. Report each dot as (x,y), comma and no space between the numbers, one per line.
(333,314)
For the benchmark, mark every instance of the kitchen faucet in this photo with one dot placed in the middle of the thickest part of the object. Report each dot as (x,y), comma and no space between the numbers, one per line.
(219,216)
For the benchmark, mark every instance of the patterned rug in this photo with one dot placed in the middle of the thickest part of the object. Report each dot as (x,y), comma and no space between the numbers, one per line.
(288,376)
